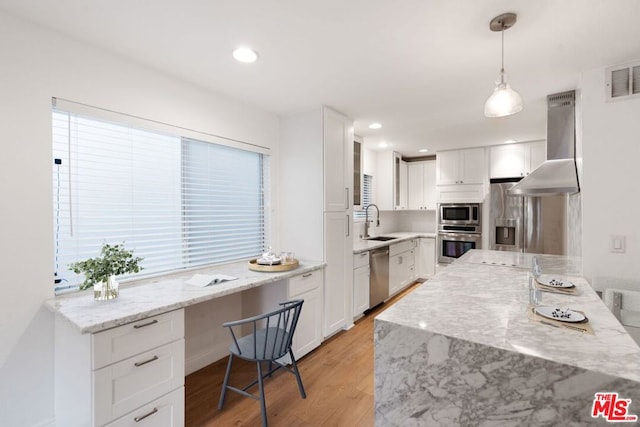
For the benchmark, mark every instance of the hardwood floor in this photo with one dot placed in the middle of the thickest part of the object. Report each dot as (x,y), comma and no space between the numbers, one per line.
(337,376)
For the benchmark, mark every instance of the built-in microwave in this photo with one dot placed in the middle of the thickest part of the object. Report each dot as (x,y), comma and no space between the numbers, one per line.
(460,213)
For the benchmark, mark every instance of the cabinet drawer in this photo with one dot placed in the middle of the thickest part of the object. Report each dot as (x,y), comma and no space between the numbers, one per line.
(398,248)
(305,282)
(360,260)
(124,386)
(167,411)
(133,338)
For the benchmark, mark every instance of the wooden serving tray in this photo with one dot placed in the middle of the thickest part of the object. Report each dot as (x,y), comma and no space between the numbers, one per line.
(253,265)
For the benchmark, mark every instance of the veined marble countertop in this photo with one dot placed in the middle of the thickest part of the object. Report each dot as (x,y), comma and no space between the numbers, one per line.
(363,245)
(477,299)
(460,350)
(149,297)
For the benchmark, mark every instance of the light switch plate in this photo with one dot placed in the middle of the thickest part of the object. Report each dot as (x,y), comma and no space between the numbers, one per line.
(618,244)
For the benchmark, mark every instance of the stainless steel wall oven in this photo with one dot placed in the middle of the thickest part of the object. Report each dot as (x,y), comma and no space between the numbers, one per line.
(459,230)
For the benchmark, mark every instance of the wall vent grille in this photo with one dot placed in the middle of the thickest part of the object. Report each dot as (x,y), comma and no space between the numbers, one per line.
(623,81)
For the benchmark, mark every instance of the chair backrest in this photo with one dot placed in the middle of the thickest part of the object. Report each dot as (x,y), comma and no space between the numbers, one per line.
(271,334)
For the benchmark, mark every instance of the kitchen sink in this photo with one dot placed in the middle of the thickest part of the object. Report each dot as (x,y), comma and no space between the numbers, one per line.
(381,238)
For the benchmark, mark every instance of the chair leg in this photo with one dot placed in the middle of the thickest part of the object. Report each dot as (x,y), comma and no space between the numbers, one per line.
(297,373)
(223,393)
(263,403)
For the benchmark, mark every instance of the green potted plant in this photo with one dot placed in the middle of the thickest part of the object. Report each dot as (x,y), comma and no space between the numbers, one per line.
(100,272)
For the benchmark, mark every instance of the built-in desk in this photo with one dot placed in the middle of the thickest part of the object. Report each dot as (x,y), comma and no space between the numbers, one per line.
(122,362)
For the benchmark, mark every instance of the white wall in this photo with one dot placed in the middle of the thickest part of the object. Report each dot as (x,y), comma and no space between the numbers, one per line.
(611,175)
(36,65)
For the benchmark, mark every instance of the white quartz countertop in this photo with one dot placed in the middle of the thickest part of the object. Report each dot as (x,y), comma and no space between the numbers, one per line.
(363,245)
(478,299)
(150,297)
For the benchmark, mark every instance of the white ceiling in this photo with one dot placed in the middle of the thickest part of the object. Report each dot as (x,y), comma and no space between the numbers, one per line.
(422,68)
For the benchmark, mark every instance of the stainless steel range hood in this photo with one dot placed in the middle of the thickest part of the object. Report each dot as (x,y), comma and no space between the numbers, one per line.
(558,175)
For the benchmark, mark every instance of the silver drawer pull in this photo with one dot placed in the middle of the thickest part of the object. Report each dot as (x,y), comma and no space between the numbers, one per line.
(154,358)
(153,322)
(307,275)
(138,419)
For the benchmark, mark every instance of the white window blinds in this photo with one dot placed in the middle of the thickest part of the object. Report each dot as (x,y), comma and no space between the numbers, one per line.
(177,202)
(367,199)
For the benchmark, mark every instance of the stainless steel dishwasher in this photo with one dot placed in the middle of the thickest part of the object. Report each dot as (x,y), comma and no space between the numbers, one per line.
(379,281)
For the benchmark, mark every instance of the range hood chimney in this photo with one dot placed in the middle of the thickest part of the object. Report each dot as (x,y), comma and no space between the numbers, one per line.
(557,175)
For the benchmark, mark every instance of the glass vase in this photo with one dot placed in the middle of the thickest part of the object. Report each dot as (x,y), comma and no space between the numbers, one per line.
(103,291)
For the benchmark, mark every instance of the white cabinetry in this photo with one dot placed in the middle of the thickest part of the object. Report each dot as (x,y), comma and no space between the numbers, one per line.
(391,182)
(422,185)
(461,175)
(461,166)
(315,203)
(516,160)
(401,265)
(426,258)
(128,373)
(338,143)
(361,275)
(308,287)
(336,302)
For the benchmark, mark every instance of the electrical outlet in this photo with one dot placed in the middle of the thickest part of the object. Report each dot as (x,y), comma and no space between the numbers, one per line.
(618,244)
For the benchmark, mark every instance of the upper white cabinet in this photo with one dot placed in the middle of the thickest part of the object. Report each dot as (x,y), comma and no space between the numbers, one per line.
(461,166)
(516,160)
(391,182)
(338,147)
(401,185)
(421,185)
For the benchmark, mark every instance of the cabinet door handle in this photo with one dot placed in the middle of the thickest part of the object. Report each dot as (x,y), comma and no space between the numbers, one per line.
(348,231)
(153,359)
(400,260)
(153,322)
(307,275)
(346,199)
(140,418)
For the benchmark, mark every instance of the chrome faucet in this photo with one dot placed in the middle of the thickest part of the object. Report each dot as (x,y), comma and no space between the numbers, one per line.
(366,219)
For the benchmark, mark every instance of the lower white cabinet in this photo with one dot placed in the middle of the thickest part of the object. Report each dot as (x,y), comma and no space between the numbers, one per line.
(308,335)
(166,411)
(361,276)
(128,371)
(426,258)
(401,265)
(338,287)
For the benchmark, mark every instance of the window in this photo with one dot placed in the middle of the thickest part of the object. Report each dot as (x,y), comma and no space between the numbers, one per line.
(177,202)
(367,198)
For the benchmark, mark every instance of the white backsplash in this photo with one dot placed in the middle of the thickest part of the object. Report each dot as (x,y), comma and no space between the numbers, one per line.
(392,221)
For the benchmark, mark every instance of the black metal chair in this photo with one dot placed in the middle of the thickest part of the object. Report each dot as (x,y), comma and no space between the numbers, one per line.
(269,341)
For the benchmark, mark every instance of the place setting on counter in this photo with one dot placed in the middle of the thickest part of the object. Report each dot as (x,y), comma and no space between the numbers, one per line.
(557,315)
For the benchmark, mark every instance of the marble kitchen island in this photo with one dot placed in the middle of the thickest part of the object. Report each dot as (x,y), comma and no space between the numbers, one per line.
(460,350)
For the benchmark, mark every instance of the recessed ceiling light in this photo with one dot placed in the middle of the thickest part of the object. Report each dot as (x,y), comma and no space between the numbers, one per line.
(244,54)
(423,150)
(383,145)
(510,141)
(375,126)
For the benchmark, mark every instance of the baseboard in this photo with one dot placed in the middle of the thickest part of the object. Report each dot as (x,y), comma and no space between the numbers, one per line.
(51,422)
(199,361)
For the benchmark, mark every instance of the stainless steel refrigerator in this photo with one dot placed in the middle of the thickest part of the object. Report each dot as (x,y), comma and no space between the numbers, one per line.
(526,224)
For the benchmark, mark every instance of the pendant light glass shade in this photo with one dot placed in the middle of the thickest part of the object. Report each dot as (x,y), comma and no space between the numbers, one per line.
(504,101)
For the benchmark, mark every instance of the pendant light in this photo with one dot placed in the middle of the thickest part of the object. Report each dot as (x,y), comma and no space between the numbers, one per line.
(504,101)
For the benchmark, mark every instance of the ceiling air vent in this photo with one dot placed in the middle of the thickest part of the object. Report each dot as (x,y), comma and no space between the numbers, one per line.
(623,81)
